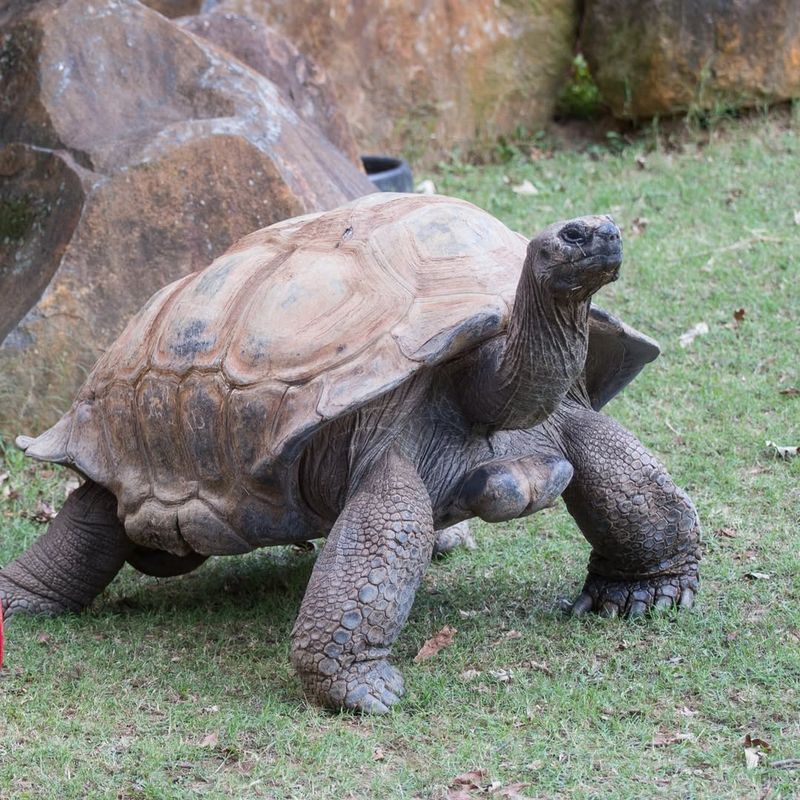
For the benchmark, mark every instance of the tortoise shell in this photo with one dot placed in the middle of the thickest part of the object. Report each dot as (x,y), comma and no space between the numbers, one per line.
(196,415)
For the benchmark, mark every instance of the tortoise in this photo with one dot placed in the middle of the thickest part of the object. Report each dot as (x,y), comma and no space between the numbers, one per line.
(371,375)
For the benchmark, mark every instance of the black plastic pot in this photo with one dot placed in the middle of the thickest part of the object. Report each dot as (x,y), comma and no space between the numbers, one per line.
(389,174)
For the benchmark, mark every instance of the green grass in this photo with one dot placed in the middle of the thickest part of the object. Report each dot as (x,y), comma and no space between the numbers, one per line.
(182,687)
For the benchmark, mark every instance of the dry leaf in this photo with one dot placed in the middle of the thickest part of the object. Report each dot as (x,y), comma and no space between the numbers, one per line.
(638,225)
(471,779)
(762,744)
(378,754)
(641,161)
(512,635)
(738,316)
(502,675)
(43,512)
(440,640)
(525,188)
(470,674)
(686,338)
(666,739)
(539,666)
(210,740)
(782,451)
(511,792)
(43,638)
(458,794)
(728,533)
(758,576)
(789,391)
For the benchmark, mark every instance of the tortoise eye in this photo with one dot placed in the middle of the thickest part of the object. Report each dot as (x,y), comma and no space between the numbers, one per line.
(572,234)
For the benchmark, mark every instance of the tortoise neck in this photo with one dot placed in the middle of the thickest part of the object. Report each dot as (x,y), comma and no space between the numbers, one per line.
(520,379)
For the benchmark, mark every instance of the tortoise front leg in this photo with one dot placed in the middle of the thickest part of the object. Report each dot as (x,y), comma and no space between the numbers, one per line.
(362,589)
(644,530)
(72,562)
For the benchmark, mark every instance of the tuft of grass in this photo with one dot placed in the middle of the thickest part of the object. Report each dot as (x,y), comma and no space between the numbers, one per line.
(182,687)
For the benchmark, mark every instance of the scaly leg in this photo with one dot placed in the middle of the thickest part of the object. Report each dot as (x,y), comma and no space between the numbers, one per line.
(72,562)
(362,589)
(644,530)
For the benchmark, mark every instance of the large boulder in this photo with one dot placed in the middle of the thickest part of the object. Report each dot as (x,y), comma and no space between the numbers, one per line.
(134,154)
(423,77)
(301,81)
(660,57)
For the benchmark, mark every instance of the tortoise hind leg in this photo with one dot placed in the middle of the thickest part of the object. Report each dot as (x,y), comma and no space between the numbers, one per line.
(644,530)
(72,562)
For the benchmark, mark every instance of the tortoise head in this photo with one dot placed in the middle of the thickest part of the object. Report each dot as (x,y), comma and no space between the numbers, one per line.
(572,259)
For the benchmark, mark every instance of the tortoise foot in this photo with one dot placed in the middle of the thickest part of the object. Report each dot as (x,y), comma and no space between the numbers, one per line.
(15,599)
(450,539)
(612,597)
(368,687)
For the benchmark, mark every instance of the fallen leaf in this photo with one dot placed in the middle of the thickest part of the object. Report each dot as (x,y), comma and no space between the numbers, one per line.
(790,391)
(69,486)
(685,711)
(440,640)
(463,785)
(468,614)
(43,638)
(470,674)
(512,635)
(666,739)
(732,196)
(378,754)
(783,451)
(738,316)
(728,533)
(641,161)
(525,188)
(511,792)
(210,740)
(43,512)
(750,741)
(758,576)
(502,675)
(539,666)
(639,225)
(686,338)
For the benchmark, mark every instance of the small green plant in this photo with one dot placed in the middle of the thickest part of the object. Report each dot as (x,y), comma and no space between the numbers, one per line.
(16,217)
(580,98)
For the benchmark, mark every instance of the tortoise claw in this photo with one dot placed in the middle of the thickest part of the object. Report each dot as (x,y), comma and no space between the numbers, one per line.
(612,597)
(582,604)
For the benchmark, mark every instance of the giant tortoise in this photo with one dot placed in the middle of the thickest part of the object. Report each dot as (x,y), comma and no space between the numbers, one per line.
(370,375)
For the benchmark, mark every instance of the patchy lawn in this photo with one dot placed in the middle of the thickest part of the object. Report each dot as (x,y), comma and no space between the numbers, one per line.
(182,687)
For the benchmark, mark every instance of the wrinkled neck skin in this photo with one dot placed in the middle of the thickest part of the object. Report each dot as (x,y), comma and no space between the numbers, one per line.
(517,380)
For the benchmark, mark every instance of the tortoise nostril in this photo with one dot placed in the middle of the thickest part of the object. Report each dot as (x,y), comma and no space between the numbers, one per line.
(608,230)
